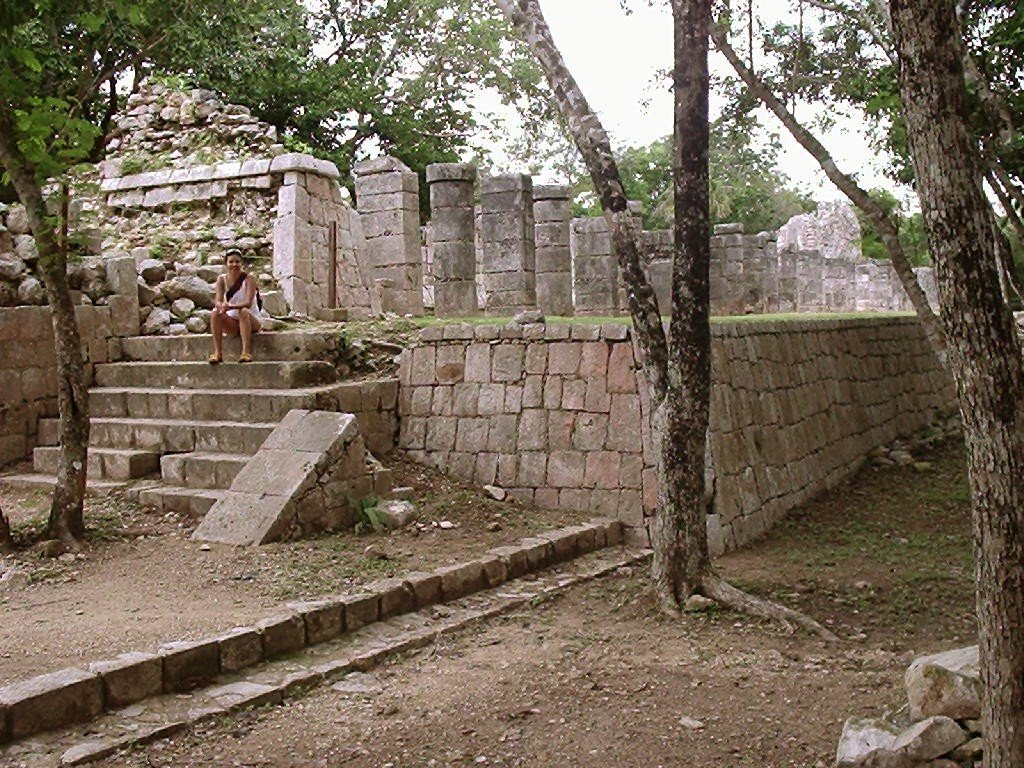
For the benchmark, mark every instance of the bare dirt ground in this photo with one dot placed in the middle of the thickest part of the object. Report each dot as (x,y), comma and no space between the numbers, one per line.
(598,677)
(140,581)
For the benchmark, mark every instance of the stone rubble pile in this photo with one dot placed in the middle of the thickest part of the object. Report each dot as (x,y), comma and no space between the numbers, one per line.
(939,728)
(904,452)
(19,285)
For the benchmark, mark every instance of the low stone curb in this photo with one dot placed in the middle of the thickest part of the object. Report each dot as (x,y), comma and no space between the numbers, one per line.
(315,666)
(68,696)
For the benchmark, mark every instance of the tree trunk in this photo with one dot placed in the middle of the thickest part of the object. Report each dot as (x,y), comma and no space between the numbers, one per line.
(984,351)
(678,376)
(679,534)
(66,520)
(846,184)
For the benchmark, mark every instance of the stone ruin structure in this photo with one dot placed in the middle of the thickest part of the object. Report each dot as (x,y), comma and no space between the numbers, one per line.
(538,410)
(188,177)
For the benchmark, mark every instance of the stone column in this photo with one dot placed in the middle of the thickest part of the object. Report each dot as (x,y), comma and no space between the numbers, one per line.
(554,262)
(506,240)
(594,268)
(388,201)
(452,238)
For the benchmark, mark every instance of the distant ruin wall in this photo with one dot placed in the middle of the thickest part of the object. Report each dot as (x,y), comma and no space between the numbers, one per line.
(554,413)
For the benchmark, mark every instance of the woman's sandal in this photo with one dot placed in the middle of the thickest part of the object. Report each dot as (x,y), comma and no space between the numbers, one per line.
(245,358)
(214,359)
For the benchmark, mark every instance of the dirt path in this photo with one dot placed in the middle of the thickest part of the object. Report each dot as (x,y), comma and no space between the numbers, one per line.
(598,678)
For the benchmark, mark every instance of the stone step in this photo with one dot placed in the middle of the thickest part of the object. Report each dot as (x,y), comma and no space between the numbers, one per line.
(30,481)
(274,345)
(103,463)
(168,435)
(190,502)
(202,375)
(201,469)
(211,404)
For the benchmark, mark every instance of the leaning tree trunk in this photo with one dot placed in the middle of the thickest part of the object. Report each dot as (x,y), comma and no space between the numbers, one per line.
(984,351)
(846,184)
(66,520)
(677,382)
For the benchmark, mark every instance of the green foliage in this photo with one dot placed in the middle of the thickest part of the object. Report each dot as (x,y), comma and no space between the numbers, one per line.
(746,184)
(909,225)
(347,78)
(368,518)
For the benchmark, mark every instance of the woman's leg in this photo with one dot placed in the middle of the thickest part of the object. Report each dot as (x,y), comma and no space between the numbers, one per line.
(247,325)
(217,329)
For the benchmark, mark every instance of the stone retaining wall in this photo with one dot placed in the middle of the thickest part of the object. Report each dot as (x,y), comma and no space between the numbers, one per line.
(28,385)
(553,413)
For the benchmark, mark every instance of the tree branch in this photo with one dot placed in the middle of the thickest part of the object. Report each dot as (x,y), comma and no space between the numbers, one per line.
(862,17)
(846,184)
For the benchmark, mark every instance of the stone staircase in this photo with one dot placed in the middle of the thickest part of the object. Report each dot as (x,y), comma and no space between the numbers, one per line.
(163,411)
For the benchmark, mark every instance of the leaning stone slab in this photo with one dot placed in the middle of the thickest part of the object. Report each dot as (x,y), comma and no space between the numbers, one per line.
(51,701)
(304,478)
(929,739)
(188,665)
(946,683)
(129,678)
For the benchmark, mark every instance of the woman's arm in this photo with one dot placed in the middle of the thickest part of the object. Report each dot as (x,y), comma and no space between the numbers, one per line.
(218,301)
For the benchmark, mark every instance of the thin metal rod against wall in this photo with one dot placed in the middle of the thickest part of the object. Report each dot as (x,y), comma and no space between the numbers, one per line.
(332,274)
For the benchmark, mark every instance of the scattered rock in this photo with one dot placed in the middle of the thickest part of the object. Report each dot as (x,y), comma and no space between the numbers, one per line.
(17,220)
(402,492)
(182,308)
(929,739)
(397,513)
(374,552)
(446,525)
(866,743)
(31,291)
(11,268)
(152,271)
(690,723)
(494,526)
(945,684)
(157,321)
(358,682)
(496,493)
(528,317)
(13,579)
(191,287)
(697,603)
(51,548)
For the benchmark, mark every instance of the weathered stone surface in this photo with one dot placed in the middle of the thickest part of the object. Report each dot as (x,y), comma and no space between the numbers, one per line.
(240,648)
(190,287)
(129,678)
(189,664)
(461,580)
(51,700)
(947,684)
(152,271)
(30,291)
(11,268)
(282,634)
(323,618)
(397,513)
(929,739)
(425,587)
(360,609)
(867,743)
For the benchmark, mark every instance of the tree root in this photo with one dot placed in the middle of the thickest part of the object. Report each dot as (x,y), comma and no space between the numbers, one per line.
(725,593)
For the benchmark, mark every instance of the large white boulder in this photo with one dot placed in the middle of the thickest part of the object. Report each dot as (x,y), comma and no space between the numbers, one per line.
(946,683)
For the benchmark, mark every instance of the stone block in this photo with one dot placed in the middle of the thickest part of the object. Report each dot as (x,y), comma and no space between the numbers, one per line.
(360,609)
(461,580)
(507,363)
(539,552)
(516,562)
(240,648)
(947,683)
(189,664)
(51,701)
(394,595)
(282,634)
(129,678)
(425,587)
(495,570)
(323,619)
(563,543)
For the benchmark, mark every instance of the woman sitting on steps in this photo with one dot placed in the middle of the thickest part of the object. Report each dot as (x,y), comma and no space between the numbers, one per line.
(233,312)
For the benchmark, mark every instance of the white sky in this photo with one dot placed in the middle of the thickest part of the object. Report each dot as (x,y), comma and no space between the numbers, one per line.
(615,58)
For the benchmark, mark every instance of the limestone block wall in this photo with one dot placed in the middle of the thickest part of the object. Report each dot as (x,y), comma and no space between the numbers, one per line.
(554,413)
(28,384)
(387,197)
